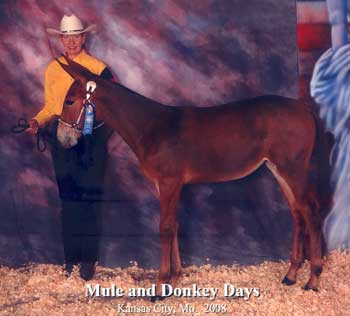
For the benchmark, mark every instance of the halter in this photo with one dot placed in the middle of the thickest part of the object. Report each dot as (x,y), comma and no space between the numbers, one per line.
(90,89)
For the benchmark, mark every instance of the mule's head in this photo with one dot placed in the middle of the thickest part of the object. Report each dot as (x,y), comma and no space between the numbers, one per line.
(73,109)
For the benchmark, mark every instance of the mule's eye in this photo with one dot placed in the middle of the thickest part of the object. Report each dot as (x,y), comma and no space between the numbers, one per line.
(68,102)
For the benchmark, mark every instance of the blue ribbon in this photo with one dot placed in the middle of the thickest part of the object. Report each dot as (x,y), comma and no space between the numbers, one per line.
(89,119)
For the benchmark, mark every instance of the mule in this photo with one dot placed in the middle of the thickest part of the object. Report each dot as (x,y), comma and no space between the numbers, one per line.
(187,144)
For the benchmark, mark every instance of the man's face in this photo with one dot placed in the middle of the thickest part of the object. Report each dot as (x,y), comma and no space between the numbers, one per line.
(73,44)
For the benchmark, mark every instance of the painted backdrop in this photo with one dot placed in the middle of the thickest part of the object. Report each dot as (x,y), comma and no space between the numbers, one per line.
(177,52)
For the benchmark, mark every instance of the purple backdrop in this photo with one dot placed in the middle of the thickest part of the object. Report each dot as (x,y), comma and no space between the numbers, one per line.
(203,53)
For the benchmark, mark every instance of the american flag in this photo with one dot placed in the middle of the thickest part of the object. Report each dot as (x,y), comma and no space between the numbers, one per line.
(314,38)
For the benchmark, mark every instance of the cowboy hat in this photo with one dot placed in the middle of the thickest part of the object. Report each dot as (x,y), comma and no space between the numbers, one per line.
(71,25)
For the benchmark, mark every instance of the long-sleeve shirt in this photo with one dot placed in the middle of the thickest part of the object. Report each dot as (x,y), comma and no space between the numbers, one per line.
(58,82)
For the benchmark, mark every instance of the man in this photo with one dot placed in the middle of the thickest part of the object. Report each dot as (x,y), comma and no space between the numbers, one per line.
(80,186)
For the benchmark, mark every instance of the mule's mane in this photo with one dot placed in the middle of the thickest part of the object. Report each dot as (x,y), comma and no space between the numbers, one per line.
(111,86)
(107,84)
(274,99)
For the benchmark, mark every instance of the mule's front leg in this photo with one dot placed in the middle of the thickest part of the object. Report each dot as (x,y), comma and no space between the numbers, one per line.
(175,258)
(314,233)
(169,198)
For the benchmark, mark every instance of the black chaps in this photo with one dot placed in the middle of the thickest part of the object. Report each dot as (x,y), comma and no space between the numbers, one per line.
(80,174)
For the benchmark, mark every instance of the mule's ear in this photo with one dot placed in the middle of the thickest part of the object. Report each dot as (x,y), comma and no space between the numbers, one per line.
(77,67)
(72,70)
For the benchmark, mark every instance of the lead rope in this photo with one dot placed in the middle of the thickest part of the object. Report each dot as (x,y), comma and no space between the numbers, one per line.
(22,125)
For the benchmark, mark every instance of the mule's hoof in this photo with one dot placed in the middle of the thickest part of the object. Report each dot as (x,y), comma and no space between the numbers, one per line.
(307,287)
(157,298)
(287,282)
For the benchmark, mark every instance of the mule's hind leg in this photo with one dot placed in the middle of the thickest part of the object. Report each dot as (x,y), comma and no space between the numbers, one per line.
(293,181)
(313,225)
(296,258)
(308,212)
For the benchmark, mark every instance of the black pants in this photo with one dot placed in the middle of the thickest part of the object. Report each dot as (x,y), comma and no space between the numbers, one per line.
(80,173)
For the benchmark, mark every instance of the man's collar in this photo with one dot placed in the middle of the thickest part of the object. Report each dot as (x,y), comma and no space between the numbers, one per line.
(80,56)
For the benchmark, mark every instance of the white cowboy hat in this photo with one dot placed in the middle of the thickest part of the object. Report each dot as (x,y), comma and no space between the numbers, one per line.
(71,25)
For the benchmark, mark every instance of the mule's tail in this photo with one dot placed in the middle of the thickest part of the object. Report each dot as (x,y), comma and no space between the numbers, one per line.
(320,174)
(322,153)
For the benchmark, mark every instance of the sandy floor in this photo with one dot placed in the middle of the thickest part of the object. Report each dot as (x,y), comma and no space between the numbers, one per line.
(44,290)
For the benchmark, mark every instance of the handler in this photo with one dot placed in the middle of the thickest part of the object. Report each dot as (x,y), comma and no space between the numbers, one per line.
(80,187)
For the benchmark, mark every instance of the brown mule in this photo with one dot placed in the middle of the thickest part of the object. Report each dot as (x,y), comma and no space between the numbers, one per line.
(178,145)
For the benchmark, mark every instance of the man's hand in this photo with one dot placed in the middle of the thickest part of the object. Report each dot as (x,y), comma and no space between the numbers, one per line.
(33,127)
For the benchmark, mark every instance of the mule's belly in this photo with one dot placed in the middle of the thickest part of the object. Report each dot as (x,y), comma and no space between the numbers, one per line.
(230,164)
(192,176)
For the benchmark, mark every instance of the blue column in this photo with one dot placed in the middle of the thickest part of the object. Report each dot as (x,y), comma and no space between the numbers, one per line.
(337,10)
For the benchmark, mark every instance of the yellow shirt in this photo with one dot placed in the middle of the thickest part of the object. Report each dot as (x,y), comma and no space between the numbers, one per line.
(58,82)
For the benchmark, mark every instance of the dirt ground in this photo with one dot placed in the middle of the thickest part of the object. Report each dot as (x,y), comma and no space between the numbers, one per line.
(42,289)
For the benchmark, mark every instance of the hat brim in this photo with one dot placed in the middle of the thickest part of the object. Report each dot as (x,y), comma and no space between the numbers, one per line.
(90,28)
